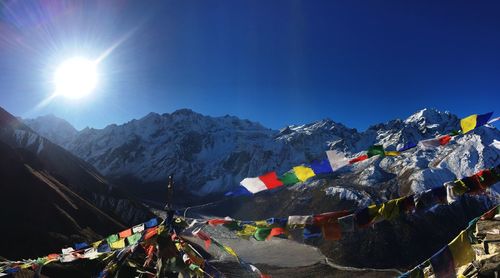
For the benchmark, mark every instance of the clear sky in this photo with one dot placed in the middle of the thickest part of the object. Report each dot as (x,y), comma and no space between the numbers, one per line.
(275,62)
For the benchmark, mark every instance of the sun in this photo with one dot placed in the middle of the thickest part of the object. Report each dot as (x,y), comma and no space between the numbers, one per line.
(75,78)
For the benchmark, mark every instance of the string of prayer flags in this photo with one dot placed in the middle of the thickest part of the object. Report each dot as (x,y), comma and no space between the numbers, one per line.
(336,160)
(471,122)
(303,173)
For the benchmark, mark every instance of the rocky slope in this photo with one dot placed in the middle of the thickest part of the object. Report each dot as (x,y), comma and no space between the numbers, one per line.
(51,162)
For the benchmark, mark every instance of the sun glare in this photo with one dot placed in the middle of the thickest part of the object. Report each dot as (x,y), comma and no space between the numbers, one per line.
(75,78)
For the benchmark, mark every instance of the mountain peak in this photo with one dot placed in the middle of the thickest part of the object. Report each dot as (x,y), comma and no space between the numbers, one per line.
(429,115)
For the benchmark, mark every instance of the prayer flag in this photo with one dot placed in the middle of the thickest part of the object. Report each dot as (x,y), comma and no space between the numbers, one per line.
(469,123)
(289,178)
(429,143)
(329,217)
(409,145)
(262,233)
(119,244)
(392,153)
(203,236)
(247,231)
(239,191)
(321,167)
(133,239)
(331,231)
(443,140)
(299,221)
(151,223)
(271,180)
(82,245)
(461,250)
(151,232)
(311,231)
(112,238)
(358,159)
(303,173)
(337,159)
(138,228)
(126,233)
(276,232)
(375,150)
(253,185)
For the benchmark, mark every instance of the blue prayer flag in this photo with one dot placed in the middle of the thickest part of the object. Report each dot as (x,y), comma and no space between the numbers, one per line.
(82,245)
(151,223)
(483,119)
(409,145)
(312,231)
(239,191)
(321,167)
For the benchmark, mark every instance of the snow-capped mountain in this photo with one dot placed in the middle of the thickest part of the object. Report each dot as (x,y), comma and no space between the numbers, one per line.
(213,154)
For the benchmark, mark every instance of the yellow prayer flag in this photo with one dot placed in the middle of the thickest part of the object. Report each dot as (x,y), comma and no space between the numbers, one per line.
(461,250)
(119,244)
(247,231)
(469,123)
(96,244)
(303,173)
(230,250)
(391,153)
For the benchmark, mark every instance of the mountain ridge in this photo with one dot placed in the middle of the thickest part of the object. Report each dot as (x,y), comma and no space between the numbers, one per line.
(218,152)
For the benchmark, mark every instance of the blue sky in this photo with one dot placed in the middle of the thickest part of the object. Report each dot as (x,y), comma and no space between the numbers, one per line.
(275,62)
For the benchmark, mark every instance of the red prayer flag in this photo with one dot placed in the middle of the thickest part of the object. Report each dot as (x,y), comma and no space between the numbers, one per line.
(331,231)
(358,159)
(151,232)
(329,217)
(271,180)
(215,222)
(206,238)
(276,232)
(443,140)
(126,233)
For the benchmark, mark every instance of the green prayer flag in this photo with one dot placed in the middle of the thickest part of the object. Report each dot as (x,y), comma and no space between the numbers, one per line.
(289,178)
(262,233)
(133,239)
(376,150)
(113,238)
